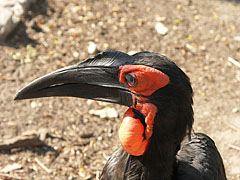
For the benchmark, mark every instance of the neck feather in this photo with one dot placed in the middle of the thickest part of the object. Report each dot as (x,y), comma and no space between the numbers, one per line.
(157,162)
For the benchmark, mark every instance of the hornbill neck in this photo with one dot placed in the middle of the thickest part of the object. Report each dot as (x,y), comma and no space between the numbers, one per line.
(159,159)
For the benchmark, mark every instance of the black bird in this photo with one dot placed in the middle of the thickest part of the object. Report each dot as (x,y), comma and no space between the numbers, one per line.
(156,131)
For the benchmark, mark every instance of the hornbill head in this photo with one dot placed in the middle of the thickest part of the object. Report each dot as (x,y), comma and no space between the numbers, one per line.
(157,92)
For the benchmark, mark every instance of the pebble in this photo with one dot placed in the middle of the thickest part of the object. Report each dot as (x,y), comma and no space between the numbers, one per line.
(233,61)
(190,48)
(202,48)
(161,28)
(75,54)
(107,112)
(33,104)
(45,28)
(90,101)
(235,110)
(237,38)
(92,48)
(11,167)
(100,138)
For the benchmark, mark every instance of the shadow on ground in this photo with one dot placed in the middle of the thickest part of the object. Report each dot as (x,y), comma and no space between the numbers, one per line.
(41,150)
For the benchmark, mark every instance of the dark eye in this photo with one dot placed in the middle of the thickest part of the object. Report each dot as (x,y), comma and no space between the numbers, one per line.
(131,80)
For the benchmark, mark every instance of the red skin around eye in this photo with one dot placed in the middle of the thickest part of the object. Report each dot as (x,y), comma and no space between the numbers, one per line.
(131,130)
(148,79)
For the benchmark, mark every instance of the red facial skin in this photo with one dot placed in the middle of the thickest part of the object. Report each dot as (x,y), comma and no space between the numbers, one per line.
(149,79)
(131,130)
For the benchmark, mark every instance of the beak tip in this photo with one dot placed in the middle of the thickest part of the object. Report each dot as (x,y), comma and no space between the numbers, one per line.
(17,97)
(20,95)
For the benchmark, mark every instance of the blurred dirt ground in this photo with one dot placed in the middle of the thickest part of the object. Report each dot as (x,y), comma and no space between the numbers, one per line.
(202,38)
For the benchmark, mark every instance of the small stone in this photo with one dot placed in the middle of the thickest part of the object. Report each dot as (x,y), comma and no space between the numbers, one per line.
(233,61)
(211,31)
(191,48)
(161,28)
(106,45)
(34,168)
(107,112)
(235,110)
(75,54)
(45,28)
(174,27)
(179,6)
(72,30)
(75,9)
(202,48)
(197,17)
(11,167)
(90,101)
(59,33)
(237,38)
(33,104)
(100,23)
(100,138)
(18,10)
(92,48)
(17,56)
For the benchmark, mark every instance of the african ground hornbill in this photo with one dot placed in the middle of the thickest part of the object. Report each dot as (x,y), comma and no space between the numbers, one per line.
(155,132)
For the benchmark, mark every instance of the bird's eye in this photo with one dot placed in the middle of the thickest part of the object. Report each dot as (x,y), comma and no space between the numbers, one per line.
(131,80)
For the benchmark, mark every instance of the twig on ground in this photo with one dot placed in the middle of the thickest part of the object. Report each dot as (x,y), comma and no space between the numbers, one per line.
(232,126)
(234,147)
(49,171)
(233,61)
(97,175)
(10,176)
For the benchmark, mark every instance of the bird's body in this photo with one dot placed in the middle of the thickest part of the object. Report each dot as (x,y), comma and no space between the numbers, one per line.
(155,133)
(197,159)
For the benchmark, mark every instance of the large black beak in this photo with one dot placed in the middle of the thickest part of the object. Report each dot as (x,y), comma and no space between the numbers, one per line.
(96,78)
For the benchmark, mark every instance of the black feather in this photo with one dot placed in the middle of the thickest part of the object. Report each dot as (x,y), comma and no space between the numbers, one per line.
(108,58)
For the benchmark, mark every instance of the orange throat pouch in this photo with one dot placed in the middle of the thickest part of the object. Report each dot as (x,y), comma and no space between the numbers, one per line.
(134,135)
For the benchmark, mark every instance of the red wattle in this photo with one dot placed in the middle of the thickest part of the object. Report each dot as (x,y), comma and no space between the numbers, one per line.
(131,134)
